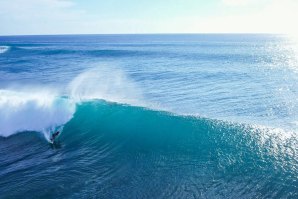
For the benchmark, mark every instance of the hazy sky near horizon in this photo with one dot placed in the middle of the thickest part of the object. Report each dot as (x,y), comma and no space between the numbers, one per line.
(19,17)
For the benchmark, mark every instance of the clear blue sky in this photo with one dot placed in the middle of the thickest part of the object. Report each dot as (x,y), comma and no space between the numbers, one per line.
(150,16)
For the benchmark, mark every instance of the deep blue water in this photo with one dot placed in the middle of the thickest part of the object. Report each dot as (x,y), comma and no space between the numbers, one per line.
(149,116)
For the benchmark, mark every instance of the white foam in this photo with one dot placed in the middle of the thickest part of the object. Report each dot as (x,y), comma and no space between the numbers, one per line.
(4,49)
(32,111)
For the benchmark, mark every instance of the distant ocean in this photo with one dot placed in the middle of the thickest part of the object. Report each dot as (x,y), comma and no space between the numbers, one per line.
(149,116)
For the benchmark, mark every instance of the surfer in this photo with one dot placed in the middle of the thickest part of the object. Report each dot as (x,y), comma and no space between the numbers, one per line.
(54,135)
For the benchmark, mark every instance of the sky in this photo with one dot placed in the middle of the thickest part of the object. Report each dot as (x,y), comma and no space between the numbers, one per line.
(33,17)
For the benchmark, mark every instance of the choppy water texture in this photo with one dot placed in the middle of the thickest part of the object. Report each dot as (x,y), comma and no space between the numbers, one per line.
(149,116)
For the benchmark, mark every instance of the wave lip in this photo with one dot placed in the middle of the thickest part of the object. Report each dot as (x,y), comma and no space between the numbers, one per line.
(4,49)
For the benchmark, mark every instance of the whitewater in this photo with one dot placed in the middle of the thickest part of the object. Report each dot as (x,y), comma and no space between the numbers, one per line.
(47,109)
(149,116)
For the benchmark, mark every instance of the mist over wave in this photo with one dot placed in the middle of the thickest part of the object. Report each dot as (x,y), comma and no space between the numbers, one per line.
(105,83)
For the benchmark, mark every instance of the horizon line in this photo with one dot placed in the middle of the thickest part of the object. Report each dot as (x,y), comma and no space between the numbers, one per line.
(86,34)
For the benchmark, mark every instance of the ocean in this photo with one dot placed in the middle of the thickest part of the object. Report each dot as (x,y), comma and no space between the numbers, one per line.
(149,116)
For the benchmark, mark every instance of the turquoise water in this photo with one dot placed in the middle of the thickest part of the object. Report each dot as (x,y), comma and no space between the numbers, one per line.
(148,116)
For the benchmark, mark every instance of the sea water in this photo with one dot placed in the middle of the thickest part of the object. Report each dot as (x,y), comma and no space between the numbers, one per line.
(149,116)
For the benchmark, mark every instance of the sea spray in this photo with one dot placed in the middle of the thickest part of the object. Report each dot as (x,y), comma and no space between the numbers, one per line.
(109,84)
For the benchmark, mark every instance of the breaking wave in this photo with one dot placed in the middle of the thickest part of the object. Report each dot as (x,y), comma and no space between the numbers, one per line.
(45,109)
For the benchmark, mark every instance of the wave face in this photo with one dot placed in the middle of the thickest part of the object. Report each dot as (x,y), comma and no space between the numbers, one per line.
(109,150)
